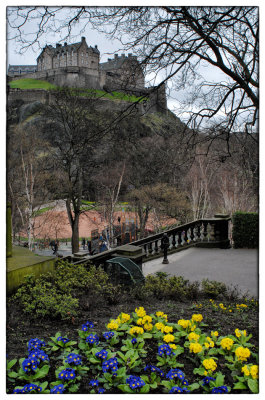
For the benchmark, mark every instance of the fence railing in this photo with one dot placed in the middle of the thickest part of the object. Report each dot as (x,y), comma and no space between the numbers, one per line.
(207,232)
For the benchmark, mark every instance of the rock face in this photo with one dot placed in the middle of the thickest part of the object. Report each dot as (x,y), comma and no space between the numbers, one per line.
(78,65)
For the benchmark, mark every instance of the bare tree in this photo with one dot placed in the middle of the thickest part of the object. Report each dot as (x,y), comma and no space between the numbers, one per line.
(27,161)
(74,128)
(178,42)
(109,181)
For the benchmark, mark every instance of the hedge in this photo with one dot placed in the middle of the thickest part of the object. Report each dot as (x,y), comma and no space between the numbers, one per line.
(245,230)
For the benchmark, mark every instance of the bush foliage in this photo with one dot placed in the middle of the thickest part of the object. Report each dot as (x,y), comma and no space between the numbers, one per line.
(245,230)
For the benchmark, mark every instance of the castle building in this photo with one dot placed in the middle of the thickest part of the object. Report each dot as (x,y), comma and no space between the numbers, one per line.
(78,65)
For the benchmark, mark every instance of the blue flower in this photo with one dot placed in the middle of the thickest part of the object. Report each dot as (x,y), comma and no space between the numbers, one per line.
(16,391)
(92,339)
(28,388)
(153,368)
(111,364)
(108,335)
(57,389)
(165,349)
(67,374)
(30,364)
(103,354)
(207,379)
(175,373)
(135,382)
(62,339)
(101,390)
(134,340)
(178,389)
(93,382)
(35,344)
(38,355)
(74,358)
(220,389)
(87,326)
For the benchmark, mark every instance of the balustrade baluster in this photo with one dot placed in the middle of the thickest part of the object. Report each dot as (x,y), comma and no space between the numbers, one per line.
(150,248)
(185,237)
(146,250)
(156,247)
(179,240)
(192,233)
(198,232)
(205,231)
(174,240)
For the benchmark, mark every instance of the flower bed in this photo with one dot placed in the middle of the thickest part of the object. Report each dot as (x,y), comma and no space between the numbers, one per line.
(140,353)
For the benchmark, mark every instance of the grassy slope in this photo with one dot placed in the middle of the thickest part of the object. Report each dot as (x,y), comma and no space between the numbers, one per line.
(38,84)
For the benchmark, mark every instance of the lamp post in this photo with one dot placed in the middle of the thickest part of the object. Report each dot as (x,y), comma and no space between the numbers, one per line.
(165,246)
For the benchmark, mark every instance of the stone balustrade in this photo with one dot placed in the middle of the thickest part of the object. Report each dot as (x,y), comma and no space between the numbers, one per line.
(207,232)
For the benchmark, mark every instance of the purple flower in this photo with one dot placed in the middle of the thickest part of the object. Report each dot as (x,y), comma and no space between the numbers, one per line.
(93,382)
(92,339)
(74,358)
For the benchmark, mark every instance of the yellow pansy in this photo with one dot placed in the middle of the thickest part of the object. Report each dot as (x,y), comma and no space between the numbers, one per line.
(195,348)
(169,338)
(140,312)
(242,353)
(197,317)
(148,327)
(227,343)
(209,364)
(168,329)
(113,325)
(193,336)
(136,330)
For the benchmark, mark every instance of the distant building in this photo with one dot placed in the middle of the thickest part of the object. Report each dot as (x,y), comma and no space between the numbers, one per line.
(17,70)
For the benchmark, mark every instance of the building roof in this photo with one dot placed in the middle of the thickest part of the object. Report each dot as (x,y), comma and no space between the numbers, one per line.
(116,62)
(59,49)
(23,68)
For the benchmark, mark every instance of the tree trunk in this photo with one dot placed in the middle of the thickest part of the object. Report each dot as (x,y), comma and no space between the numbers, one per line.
(74,222)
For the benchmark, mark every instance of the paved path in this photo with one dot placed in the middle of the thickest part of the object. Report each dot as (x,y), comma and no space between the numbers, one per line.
(234,267)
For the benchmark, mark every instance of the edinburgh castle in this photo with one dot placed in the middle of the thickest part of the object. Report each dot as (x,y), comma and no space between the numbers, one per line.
(78,65)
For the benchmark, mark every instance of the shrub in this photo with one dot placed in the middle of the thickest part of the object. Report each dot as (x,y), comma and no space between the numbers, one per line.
(213,288)
(57,295)
(245,230)
(41,299)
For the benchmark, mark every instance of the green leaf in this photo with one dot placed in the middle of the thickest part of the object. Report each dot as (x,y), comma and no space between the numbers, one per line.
(122,356)
(193,386)
(42,372)
(146,335)
(153,385)
(219,380)
(253,385)
(239,385)
(43,385)
(82,346)
(73,388)
(125,388)
(145,389)
(12,374)
(11,363)
(167,384)
(199,371)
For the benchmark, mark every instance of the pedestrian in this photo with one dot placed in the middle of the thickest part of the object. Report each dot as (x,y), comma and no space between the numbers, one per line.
(56,245)
(84,243)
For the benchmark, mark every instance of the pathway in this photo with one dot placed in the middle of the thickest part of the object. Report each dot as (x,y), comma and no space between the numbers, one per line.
(234,267)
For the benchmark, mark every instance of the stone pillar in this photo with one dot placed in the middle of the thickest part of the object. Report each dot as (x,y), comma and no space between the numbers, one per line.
(8,231)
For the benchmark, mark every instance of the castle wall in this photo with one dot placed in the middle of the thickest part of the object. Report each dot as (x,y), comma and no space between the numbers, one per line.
(103,104)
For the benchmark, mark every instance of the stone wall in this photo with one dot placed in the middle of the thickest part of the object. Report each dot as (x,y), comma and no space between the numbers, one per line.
(103,104)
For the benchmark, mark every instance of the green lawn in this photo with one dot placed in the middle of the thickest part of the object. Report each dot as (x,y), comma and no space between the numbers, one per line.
(31,84)
(28,83)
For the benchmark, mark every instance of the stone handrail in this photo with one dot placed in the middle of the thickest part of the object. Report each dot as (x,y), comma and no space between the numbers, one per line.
(206,232)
